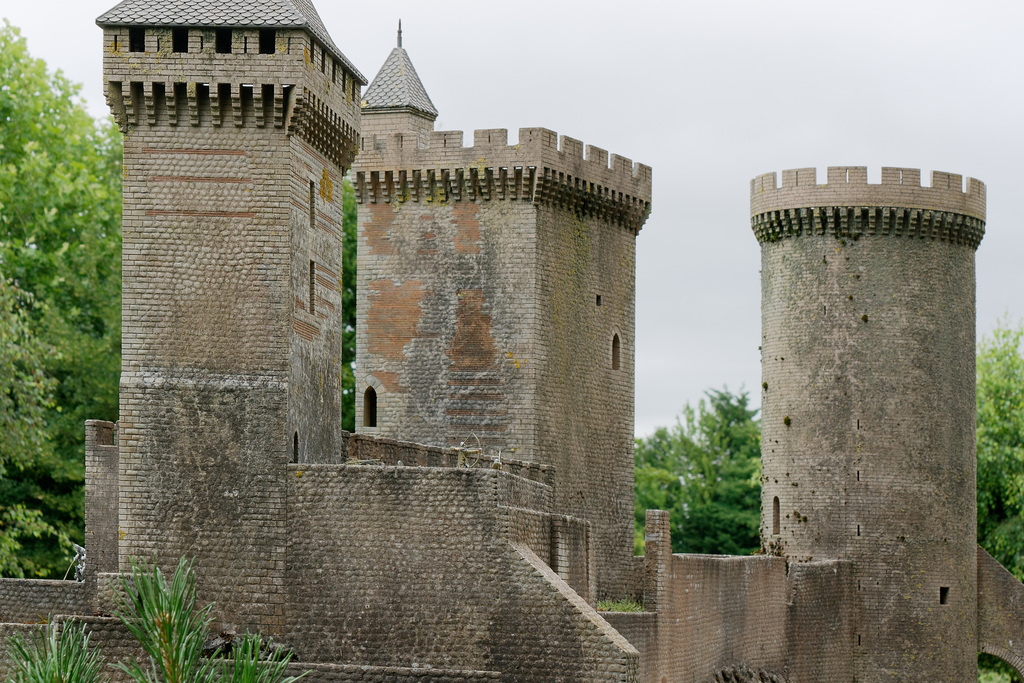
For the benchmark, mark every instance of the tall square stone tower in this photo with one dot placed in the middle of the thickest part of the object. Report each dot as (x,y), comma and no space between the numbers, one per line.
(496,295)
(239,120)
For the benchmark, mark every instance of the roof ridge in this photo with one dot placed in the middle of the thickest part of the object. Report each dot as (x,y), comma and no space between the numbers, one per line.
(397,85)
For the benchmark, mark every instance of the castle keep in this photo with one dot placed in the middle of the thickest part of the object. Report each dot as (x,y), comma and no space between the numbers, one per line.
(496,300)
(468,528)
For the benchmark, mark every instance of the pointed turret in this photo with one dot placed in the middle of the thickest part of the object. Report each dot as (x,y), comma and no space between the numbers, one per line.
(396,100)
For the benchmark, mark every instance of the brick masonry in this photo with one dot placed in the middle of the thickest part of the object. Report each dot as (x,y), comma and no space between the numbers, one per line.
(382,559)
(496,306)
(868,403)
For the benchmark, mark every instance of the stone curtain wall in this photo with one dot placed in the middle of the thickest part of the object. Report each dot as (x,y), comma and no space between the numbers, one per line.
(35,601)
(418,563)
(1000,612)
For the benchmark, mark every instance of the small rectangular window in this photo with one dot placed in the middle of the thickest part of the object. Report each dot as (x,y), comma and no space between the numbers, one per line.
(224,41)
(944,595)
(116,46)
(267,39)
(323,61)
(312,204)
(598,299)
(179,39)
(312,287)
(334,71)
(136,39)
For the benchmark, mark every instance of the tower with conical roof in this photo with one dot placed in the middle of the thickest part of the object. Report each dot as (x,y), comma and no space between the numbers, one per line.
(239,121)
(496,300)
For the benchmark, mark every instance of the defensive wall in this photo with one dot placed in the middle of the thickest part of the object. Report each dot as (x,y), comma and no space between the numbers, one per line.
(451,567)
(496,307)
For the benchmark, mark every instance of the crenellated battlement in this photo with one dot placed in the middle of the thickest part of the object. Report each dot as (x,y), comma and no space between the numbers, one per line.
(541,168)
(848,206)
(848,186)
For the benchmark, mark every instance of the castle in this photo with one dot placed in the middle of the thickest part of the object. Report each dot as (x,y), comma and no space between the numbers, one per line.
(466,531)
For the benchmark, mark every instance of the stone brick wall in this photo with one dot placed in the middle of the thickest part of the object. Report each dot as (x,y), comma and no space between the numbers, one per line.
(35,601)
(715,615)
(494,282)
(231,310)
(868,403)
(1000,612)
(402,566)
(101,503)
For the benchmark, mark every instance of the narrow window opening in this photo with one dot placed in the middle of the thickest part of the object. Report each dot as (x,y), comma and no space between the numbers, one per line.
(136,39)
(944,595)
(858,584)
(334,71)
(598,299)
(202,42)
(858,640)
(245,44)
(312,205)
(858,475)
(858,424)
(224,41)
(295,447)
(312,287)
(775,517)
(615,352)
(858,529)
(323,61)
(116,46)
(370,407)
(179,39)
(268,104)
(267,39)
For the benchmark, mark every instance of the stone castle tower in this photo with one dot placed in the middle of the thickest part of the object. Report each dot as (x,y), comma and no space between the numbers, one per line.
(239,123)
(496,299)
(869,402)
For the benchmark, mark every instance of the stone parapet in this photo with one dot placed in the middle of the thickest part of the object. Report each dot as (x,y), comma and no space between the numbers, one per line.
(541,168)
(848,206)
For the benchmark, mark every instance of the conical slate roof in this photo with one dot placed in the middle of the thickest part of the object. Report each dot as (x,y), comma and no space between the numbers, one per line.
(227,14)
(398,86)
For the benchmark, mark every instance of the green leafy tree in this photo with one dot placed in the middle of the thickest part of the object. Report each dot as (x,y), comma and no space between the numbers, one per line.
(1001,462)
(1001,447)
(348,307)
(705,471)
(60,204)
(26,392)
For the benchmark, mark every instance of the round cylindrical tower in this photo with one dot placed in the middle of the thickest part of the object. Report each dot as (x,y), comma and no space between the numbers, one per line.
(868,402)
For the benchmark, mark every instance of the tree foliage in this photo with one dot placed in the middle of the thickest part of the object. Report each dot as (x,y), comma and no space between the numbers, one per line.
(348,307)
(1001,462)
(1001,447)
(705,471)
(60,204)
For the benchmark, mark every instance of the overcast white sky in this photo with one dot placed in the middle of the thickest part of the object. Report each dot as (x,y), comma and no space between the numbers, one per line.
(709,94)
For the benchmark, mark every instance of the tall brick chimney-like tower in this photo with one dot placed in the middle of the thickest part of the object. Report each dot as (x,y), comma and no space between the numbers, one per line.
(869,403)
(239,120)
(496,300)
